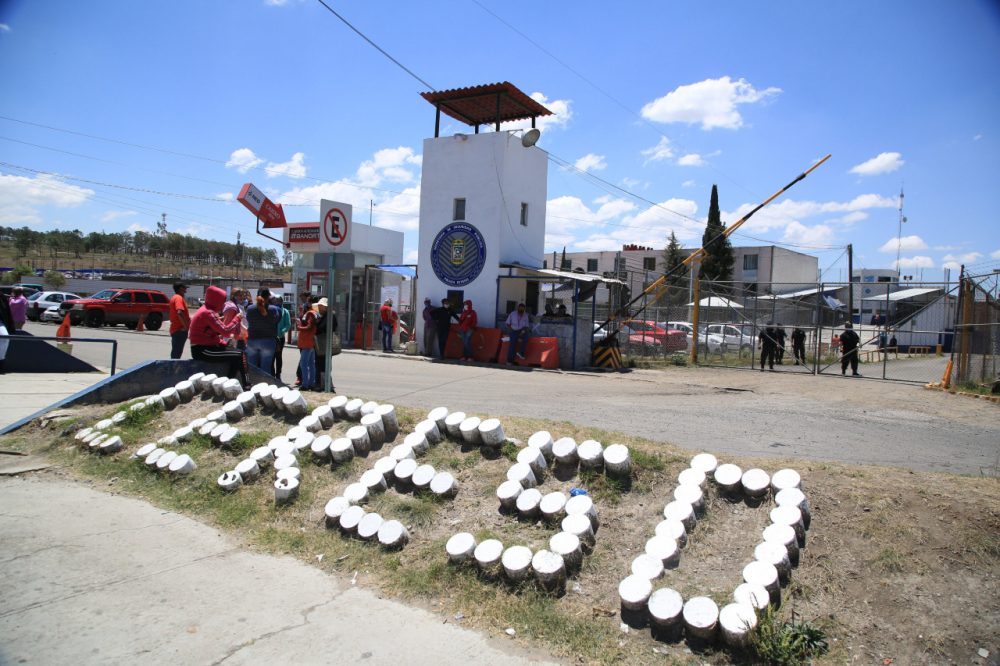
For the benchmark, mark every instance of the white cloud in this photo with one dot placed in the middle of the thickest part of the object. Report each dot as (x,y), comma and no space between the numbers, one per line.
(572,223)
(561,115)
(410,256)
(977,137)
(918,261)
(967,258)
(691,159)
(853,217)
(818,234)
(293,168)
(135,226)
(712,103)
(995,254)
(225,196)
(389,164)
(905,244)
(779,215)
(4,27)
(20,197)
(661,151)
(881,163)
(591,162)
(688,183)
(113,215)
(243,159)
(952,265)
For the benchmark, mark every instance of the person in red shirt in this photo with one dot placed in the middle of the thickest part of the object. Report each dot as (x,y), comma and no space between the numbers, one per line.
(180,320)
(208,337)
(466,327)
(306,327)
(385,325)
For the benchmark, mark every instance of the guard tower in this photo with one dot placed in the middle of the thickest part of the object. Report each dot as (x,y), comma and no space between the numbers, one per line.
(482,199)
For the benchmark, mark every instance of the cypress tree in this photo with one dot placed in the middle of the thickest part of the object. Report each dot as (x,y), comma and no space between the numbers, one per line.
(673,259)
(717,266)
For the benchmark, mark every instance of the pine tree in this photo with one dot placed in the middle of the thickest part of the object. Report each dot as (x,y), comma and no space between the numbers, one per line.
(673,260)
(717,266)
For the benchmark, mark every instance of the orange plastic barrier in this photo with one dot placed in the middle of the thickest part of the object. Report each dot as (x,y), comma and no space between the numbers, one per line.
(357,335)
(485,343)
(541,352)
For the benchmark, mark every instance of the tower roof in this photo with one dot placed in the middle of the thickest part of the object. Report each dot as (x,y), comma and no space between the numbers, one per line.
(489,104)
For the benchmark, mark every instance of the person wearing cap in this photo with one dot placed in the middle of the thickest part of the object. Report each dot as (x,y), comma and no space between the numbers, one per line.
(519,325)
(466,327)
(442,324)
(767,342)
(180,320)
(385,325)
(429,327)
(849,342)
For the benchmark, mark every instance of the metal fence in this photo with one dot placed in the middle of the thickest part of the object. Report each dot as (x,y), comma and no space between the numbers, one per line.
(977,330)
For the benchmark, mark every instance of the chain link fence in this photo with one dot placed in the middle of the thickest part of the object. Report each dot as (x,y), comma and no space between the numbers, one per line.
(977,331)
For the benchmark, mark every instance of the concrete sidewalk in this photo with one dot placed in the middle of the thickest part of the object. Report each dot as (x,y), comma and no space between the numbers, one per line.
(23,394)
(92,578)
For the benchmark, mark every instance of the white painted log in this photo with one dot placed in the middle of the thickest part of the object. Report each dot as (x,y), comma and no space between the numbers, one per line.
(218,430)
(533,458)
(166,442)
(665,550)
(121,416)
(673,529)
(681,511)
(542,440)
(248,401)
(487,555)
(591,454)
(701,617)
(143,451)
(104,424)
(392,534)
(516,562)
(417,442)
(185,389)
(96,442)
(80,434)
(705,462)
(564,451)
(91,437)
(693,477)
(289,473)
(154,401)
(460,547)
(278,397)
(389,421)
(311,423)
(183,434)
(784,535)
(369,407)
(729,478)
(233,411)
(507,493)
(182,465)
(196,424)
(139,406)
(373,480)
(111,445)
(279,441)
(232,389)
(325,416)
(790,515)
(195,379)
(303,443)
(163,462)
(444,485)
(230,481)
(452,425)
(359,439)
(337,403)
(776,554)
(438,415)
(569,547)
(527,503)
(295,403)
(216,415)
(248,469)
(550,569)
(422,476)
(356,493)
(170,397)
(691,495)
(491,432)
(266,396)
(647,566)
(150,459)
(386,466)
(755,482)
(207,427)
(294,432)
(469,430)
(429,429)
(282,462)
(341,450)
(634,592)
(404,472)
(666,607)
(350,519)
(369,526)
(583,505)
(376,430)
(402,452)
(737,621)
(286,449)
(521,472)
(617,461)
(553,507)
(217,387)
(334,509)
(579,525)
(320,448)
(285,490)
(763,574)
(352,409)
(754,596)
(794,497)
(257,388)
(204,383)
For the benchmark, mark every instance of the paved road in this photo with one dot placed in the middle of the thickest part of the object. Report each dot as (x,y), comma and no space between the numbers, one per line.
(725,411)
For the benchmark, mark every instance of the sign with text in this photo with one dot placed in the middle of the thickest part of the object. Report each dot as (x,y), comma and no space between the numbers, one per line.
(268,212)
(335,226)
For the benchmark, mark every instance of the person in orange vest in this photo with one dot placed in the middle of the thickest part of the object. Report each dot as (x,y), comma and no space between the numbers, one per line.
(466,327)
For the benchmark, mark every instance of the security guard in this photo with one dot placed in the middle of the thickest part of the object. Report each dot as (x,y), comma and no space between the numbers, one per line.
(767,342)
(849,342)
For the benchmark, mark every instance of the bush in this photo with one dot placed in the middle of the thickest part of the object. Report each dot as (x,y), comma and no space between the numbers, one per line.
(786,643)
(54,279)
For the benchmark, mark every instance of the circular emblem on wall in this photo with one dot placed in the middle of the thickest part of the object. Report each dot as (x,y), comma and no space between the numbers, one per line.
(458,254)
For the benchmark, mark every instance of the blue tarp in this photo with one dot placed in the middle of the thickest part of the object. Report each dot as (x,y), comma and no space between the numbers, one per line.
(406,270)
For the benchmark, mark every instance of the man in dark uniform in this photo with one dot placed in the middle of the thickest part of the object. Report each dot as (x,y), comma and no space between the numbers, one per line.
(767,342)
(779,336)
(849,342)
(799,345)
(442,317)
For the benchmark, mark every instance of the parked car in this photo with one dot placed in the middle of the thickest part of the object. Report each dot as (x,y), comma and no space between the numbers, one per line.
(733,336)
(652,336)
(41,301)
(119,306)
(30,285)
(9,290)
(52,315)
(707,342)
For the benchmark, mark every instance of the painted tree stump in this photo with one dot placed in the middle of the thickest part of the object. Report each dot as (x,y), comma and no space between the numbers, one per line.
(373,480)
(248,401)
(564,451)
(591,454)
(248,469)
(647,566)
(369,526)
(417,442)
(356,493)
(527,503)
(729,478)
(359,439)
(429,429)
(325,416)
(404,473)
(320,448)
(542,440)
(376,430)
(673,529)
(389,421)
(664,549)
(392,535)
(350,519)
(460,547)
(453,424)
(617,461)
(665,608)
(334,509)
(553,507)
(422,477)
(634,592)
(439,415)
(579,525)
(386,466)
(295,403)
(692,477)
(701,618)
(583,505)
(369,407)
(681,511)
(792,516)
(550,570)
(352,409)
(521,472)
(487,555)
(569,547)
(311,423)
(185,390)
(516,562)
(444,485)
(756,482)
(507,493)
(784,535)
(794,497)
(533,458)
(170,397)
(776,555)
(338,404)
(286,490)
(341,450)
(230,481)
(736,622)
(754,596)
(491,433)
(233,411)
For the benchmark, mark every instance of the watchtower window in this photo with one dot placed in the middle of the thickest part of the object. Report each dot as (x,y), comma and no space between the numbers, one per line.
(459,211)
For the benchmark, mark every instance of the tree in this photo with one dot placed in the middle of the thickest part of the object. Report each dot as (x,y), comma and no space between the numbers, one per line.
(717,265)
(54,279)
(673,260)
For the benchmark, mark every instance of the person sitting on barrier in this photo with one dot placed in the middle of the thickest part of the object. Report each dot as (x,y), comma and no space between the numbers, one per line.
(519,325)
(767,342)
(442,317)
(799,345)
(466,327)
(208,336)
(849,342)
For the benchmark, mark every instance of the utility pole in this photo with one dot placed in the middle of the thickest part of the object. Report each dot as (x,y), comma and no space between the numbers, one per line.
(371,207)
(850,282)
(899,232)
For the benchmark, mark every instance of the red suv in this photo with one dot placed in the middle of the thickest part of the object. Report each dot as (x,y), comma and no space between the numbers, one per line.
(119,306)
(648,334)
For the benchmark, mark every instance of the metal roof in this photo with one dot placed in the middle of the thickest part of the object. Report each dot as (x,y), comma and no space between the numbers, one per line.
(903,294)
(566,275)
(488,104)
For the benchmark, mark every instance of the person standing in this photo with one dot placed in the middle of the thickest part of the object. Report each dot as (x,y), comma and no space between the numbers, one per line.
(306,326)
(385,325)
(323,343)
(6,328)
(466,327)
(799,345)
(180,320)
(519,325)
(849,342)
(262,329)
(429,337)
(779,336)
(442,324)
(235,306)
(767,342)
(208,335)
(18,308)
(284,325)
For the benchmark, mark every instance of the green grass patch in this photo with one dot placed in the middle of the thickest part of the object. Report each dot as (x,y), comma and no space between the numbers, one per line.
(782,643)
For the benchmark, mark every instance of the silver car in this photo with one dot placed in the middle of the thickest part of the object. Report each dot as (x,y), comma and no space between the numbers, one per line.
(51,315)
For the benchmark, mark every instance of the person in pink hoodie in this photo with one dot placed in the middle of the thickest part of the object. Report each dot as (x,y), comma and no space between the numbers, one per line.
(208,336)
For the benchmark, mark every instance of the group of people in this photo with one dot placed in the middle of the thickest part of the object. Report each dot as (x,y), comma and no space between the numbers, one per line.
(771,343)
(437,324)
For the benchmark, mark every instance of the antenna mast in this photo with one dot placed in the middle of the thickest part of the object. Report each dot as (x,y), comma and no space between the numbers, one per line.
(899,232)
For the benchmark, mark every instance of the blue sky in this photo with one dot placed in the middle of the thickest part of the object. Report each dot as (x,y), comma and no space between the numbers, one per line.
(660,99)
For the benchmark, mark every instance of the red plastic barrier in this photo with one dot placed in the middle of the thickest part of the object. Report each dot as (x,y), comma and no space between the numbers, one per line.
(357,336)
(541,352)
(485,343)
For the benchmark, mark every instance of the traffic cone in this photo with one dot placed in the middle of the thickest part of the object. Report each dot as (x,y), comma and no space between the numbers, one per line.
(63,330)
(139,328)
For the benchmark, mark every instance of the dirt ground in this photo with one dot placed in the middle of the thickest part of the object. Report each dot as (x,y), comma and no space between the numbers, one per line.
(900,566)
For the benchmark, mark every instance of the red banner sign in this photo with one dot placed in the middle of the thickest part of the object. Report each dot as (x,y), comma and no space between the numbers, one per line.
(268,212)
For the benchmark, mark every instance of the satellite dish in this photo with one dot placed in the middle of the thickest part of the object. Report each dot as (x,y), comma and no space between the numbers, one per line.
(530,138)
